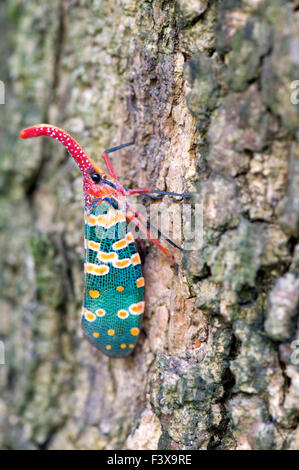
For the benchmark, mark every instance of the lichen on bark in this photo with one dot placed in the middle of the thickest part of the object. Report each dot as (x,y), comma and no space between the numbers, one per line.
(207,87)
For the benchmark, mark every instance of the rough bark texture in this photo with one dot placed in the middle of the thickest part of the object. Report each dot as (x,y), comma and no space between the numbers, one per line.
(207,86)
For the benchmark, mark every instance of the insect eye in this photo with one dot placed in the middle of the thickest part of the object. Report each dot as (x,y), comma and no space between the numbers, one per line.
(96,178)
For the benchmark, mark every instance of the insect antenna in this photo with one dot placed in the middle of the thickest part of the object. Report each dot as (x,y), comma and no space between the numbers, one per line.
(113,149)
(164,193)
(170,194)
(149,192)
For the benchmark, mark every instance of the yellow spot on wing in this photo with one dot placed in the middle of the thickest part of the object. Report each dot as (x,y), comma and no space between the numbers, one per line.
(122,263)
(101,220)
(123,346)
(122,314)
(93,245)
(134,331)
(119,245)
(129,237)
(140,282)
(110,332)
(111,218)
(101,270)
(91,220)
(100,312)
(96,334)
(120,288)
(88,315)
(111,256)
(136,259)
(108,346)
(96,269)
(94,294)
(137,309)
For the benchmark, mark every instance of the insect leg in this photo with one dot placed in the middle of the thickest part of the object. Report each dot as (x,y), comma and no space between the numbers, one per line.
(113,149)
(149,225)
(109,165)
(130,216)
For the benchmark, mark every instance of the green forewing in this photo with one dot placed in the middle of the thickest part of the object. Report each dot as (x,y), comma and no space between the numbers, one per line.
(113,282)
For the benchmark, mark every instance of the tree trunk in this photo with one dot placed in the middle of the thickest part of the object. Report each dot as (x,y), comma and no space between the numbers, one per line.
(208,88)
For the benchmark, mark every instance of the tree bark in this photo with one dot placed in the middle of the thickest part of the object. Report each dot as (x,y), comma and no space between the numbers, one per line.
(207,87)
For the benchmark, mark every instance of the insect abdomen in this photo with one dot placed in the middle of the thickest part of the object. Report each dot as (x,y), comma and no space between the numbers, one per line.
(113,283)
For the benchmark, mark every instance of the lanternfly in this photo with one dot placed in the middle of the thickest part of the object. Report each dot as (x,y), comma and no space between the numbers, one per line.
(113,301)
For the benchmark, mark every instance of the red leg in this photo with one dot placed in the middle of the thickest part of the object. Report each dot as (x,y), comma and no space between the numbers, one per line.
(147,224)
(129,192)
(113,149)
(109,165)
(130,216)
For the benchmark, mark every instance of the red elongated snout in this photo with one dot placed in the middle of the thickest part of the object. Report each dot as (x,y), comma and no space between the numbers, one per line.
(95,182)
(84,162)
